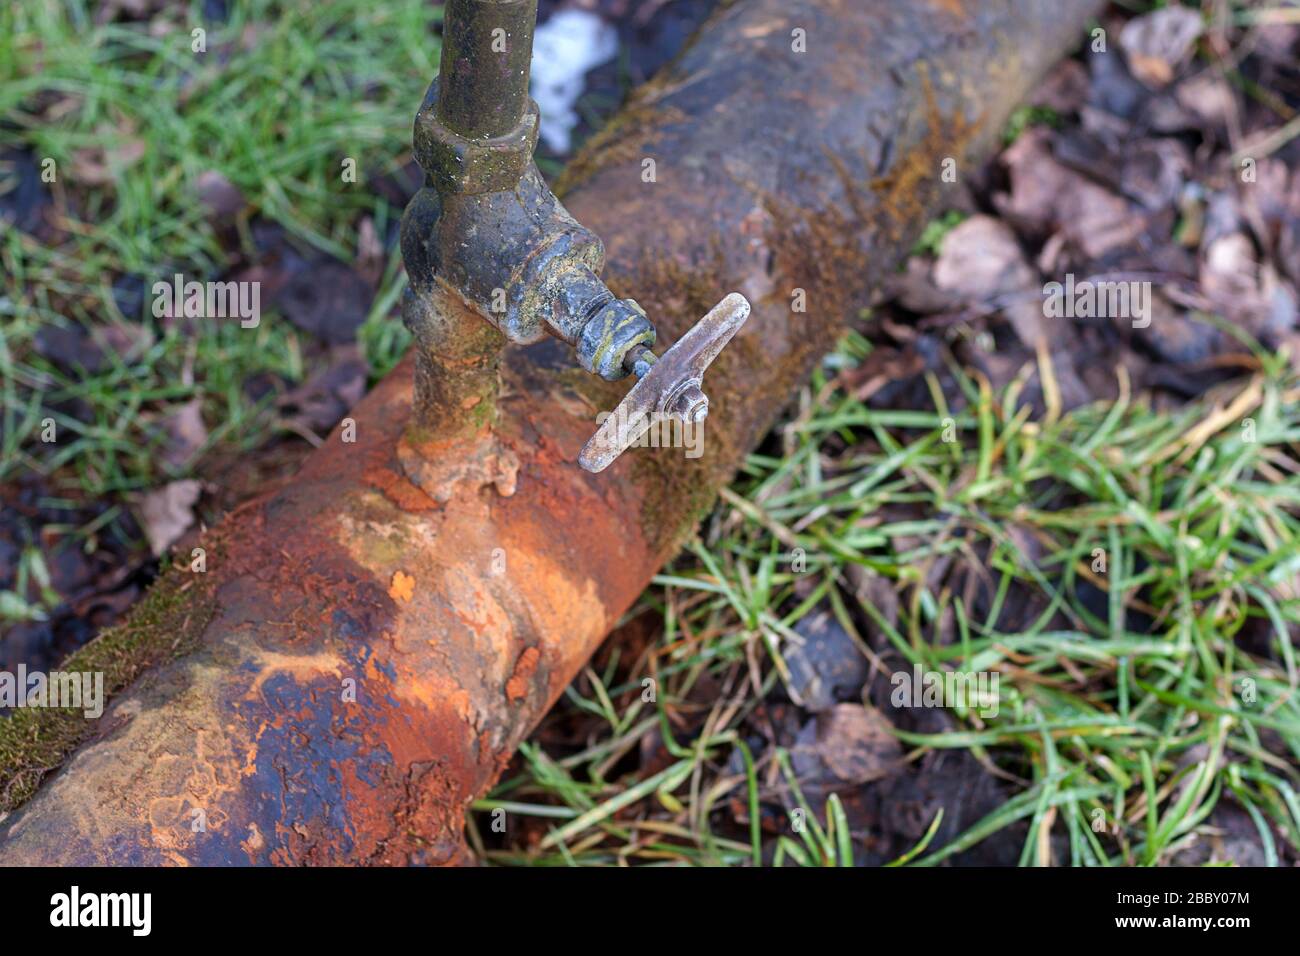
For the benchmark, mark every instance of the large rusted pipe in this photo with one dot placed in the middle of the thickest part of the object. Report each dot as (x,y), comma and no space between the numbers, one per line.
(357,663)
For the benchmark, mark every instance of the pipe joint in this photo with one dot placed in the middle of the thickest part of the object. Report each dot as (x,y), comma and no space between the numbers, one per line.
(458,163)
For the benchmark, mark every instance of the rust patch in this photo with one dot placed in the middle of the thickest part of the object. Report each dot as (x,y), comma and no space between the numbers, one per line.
(906,192)
(956,8)
(403,586)
(525,666)
(398,489)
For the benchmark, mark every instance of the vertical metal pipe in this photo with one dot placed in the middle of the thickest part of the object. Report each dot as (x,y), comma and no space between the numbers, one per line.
(487,47)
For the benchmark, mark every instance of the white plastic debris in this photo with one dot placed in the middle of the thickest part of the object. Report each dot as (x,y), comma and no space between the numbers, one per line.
(565,47)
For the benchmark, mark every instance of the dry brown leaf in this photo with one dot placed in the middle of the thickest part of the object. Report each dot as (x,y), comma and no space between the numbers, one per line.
(1047,197)
(981,261)
(219,195)
(855,743)
(1159,42)
(101,165)
(186,434)
(166,513)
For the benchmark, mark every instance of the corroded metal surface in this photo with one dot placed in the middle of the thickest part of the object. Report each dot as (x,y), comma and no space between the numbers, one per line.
(456,381)
(525,266)
(373,658)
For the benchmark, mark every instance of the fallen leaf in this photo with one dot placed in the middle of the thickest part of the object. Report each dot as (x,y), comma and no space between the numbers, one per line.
(323,399)
(1231,279)
(69,347)
(129,340)
(914,289)
(186,434)
(855,744)
(1065,89)
(23,197)
(1208,98)
(1158,43)
(221,197)
(981,261)
(1175,336)
(827,665)
(166,513)
(328,299)
(101,165)
(1113,89)
(1155,171)
(1048,197)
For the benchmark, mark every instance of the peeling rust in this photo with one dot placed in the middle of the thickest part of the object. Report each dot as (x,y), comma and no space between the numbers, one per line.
(521,677)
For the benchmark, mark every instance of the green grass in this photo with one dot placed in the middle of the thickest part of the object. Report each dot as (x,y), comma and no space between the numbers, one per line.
(1143,729)
(935,230)
(1027,116)
(283,95)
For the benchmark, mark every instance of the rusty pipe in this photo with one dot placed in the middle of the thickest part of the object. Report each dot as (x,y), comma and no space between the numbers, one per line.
(359,661)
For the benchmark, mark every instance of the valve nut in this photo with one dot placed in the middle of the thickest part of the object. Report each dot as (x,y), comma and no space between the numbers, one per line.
(610,334)
(456,164)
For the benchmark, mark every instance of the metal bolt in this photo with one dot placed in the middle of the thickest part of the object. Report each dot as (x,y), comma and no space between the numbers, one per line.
(692,405)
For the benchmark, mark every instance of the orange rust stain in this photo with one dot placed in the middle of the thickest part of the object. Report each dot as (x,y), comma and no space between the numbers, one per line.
(204,780)
(517,685)
(382,474)
(302,667)
(397,489)
(419,813)
(436,693)
(956,7)
(403,587)
(250,753)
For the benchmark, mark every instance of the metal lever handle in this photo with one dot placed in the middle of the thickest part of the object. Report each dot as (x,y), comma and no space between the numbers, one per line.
(668,385)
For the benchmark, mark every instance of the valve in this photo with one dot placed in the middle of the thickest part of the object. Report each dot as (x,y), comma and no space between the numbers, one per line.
(486,239)
(669,385)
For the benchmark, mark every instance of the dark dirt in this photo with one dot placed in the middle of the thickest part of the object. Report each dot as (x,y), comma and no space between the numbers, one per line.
(94,587)
(24,199)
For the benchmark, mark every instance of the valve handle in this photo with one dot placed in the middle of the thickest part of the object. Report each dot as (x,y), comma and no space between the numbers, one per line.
(667,385)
